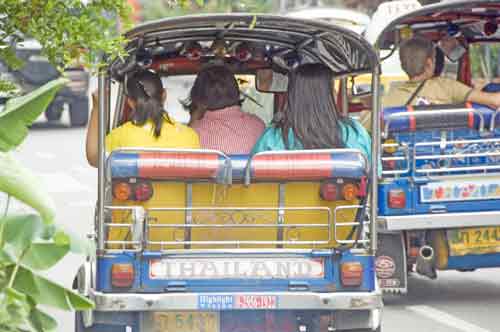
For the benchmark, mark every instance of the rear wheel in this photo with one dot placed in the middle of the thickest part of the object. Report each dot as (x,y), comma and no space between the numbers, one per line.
(79,112)
(95,328)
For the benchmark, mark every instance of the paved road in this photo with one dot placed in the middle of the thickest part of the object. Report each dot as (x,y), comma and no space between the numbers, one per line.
(467,302)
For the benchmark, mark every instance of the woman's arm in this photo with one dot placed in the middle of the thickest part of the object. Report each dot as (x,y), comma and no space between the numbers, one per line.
(92,134)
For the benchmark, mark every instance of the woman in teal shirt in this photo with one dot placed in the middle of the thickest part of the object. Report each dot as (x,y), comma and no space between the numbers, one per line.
(310,118)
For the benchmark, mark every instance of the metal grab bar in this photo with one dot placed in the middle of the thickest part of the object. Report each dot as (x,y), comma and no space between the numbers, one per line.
(351,224)
(406,157)
(493,120)
(137,237)
(136,228)
(227,160)
(485,167)
(422,113)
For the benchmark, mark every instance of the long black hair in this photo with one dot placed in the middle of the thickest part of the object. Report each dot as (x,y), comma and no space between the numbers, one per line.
(310,110)
(146,89)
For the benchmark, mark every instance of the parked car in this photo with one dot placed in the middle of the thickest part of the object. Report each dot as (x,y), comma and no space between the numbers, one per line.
(197,240)
(37,71)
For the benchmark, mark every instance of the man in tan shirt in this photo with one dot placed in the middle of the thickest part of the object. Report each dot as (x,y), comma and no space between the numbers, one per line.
(417,57)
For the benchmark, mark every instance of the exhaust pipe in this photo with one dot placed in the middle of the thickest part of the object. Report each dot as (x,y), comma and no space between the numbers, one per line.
(426,262)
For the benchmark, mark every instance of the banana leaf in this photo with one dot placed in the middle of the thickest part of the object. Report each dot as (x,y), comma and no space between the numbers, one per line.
(19,113)
(17,181)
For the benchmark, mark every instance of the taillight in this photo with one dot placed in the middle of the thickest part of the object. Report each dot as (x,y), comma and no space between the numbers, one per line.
(351,274)
(328,191)
(350,191)
(397,199)
(333,192)
(143,191)
(122,191)
(122,275)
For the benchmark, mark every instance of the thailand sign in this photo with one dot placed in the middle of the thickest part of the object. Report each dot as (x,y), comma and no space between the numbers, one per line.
(234,268)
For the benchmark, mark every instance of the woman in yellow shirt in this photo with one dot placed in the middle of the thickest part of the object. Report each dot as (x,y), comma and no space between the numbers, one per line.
(150,125)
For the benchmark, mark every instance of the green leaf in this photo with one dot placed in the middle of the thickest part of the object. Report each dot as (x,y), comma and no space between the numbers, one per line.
(42,256)
(19,182)
(20,231)
(21,112)
(41,321)
(47,292)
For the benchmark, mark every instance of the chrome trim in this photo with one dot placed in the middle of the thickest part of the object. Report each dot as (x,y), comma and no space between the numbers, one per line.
(351,224)
(189,301)
(101,179)
(400,146)
(481,167)
(375,149)
(493,120)
(439,220)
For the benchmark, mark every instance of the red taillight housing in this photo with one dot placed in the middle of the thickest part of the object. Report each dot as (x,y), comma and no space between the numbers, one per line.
(396,199)
(351,274)
(333,192)
(140,191)
(122,275)
(328,191)
(143,191)
(350,191)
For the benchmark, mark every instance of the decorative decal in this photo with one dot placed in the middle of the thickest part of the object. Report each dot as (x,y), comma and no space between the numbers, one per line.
(385,267)
(453,191)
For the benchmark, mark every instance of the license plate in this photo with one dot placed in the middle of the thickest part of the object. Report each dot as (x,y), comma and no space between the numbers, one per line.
(466,241)
(186,321)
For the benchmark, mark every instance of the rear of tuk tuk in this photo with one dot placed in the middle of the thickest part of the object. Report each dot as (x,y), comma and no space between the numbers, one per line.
(197,240)
(439,205)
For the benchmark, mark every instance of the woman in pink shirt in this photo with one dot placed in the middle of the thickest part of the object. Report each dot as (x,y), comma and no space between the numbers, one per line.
(214,104)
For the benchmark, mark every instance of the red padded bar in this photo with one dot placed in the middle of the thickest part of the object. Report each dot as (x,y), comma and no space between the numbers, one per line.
(292,166)
(175,165)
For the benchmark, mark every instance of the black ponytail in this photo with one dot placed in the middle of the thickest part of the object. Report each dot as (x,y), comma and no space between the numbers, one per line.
(146,89)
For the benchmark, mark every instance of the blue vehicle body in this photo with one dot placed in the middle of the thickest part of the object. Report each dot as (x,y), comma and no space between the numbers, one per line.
(447,168)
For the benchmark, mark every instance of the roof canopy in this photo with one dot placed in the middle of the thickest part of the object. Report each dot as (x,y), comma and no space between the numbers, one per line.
(475,19)
(342,50)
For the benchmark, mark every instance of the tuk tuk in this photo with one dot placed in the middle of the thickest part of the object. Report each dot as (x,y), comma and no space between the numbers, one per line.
(439,193)
(197,240)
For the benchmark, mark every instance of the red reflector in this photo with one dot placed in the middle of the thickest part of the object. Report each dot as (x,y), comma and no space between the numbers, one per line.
(122,275)
(292,166)
(121,191)
(350,191)
(351,274)
(328,191)
(397,199)
(143,191)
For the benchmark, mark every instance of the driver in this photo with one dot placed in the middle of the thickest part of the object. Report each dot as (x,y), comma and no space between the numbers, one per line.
(417,57)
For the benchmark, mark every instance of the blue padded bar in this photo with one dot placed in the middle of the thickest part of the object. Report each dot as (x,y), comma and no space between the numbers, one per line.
(124,165)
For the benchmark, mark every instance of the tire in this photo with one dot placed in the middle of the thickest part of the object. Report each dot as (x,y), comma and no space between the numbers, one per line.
(79,112)
(54,111)
(96,328)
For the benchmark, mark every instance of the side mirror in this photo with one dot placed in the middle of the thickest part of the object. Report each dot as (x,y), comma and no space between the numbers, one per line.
(267,80)
(360,87)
